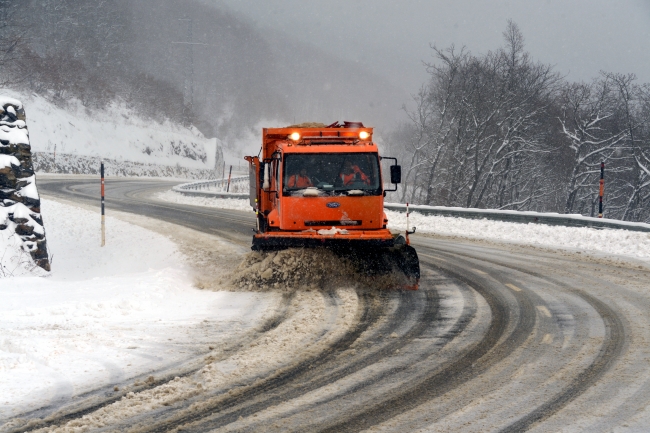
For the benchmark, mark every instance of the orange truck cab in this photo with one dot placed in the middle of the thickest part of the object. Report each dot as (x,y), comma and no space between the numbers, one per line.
(321,186)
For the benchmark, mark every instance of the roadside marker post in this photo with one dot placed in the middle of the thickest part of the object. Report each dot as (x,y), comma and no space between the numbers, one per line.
(408,241)
(229,175)
(408,231)
(602,190)
(103,222)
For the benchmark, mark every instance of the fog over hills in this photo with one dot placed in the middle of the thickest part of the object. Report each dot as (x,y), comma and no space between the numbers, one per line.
(197,63)
(579,37)
(258,73)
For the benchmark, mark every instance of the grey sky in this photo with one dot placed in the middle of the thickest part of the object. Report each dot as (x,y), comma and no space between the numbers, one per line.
(579,37)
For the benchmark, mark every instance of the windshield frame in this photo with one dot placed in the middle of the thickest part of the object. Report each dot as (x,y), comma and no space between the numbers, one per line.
(331,188)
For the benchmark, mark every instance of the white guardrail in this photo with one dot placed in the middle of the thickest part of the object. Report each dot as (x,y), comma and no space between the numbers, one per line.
(216,188)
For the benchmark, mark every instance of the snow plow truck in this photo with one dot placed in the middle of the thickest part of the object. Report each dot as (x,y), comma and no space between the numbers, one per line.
(318,186)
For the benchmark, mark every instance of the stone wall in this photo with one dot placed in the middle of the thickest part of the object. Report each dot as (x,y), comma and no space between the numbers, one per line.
(20,204)
(65,163)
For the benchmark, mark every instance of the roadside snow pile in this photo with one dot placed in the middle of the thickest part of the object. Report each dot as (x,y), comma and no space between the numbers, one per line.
(607,241)
(80,137)
(23,249)
(221,203)
(107,315)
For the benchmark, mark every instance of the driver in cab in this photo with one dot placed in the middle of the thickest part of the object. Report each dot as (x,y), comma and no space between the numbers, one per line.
(300,180)
(351,174)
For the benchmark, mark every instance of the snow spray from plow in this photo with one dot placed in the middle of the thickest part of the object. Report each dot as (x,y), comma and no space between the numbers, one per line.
(314,269)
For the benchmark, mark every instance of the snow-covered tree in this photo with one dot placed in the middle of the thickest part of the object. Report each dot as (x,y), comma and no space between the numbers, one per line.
(479,126)
(592,126)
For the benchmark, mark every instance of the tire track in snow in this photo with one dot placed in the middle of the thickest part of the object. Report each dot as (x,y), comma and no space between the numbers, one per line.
(609,351)
(332,368)
(486,352)
(420,310)
(370,314)
(130,415)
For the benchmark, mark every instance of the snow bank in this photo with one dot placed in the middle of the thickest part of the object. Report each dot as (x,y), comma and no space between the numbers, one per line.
(106,314)
(607,241)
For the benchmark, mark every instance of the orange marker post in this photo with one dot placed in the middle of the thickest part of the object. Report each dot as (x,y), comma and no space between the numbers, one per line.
(103,222)
(602,190)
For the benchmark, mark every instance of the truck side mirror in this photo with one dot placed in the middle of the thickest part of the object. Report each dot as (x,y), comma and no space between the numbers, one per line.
(395,174)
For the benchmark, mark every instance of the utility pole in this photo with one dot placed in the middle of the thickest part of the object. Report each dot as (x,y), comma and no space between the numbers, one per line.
(190,43)
(50,25)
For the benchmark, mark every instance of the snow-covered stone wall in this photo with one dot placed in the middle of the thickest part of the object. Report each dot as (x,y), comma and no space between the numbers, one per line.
(79,164)
(21,225)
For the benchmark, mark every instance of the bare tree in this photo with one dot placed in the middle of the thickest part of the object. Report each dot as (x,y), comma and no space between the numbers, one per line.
(634,100)
(479,126)
(590,121)
(12,31)
(434,121)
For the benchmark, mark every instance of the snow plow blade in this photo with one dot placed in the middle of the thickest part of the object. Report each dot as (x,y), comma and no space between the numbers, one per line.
(373,258)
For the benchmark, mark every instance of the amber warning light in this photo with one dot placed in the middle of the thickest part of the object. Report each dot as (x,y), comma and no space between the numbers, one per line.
(295,136)
(364,135)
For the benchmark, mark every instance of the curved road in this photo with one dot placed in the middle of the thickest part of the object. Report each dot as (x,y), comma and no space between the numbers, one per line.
(498,338)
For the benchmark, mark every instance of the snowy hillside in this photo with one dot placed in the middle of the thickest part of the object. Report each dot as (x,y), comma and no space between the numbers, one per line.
(116,133)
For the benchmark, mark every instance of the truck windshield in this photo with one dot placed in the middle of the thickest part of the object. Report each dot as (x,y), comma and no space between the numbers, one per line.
(350,173)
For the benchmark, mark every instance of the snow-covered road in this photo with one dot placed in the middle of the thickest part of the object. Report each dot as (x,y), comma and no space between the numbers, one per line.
(108,316)
(502,336)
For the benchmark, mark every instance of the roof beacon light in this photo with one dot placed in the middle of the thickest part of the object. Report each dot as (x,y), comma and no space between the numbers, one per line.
(295,136)
(364,135)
